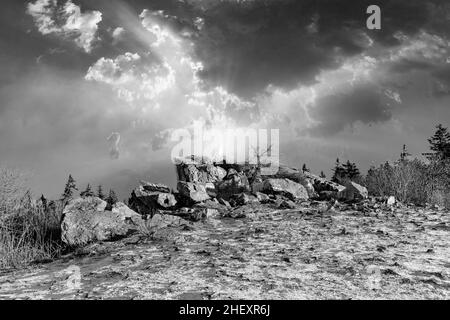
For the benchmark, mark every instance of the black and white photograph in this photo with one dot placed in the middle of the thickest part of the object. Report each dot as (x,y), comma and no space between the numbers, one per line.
(225,150)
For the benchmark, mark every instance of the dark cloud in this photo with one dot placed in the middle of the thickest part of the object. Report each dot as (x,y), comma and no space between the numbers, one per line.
(335,112)
(53,121)
(245,46)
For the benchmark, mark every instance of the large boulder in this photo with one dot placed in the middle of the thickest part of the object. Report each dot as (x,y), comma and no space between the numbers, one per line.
(155,187)
(198,213)
(322,184)
(286,187)
(193,192)
(149,198)
(234,183)
(285,172)
(353,191)
(85,220)
(161,221)
(197,170)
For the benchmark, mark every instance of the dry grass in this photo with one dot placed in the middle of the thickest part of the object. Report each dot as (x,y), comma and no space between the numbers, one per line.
(29,231)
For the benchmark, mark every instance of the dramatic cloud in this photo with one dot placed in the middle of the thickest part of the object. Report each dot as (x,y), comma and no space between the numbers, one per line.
(66,21)
(132,76)
(335,112)
(309,68)
(246,46)
(164,79)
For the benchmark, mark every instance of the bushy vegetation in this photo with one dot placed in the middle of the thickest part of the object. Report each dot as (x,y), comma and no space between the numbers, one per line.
(410,180)
(29,229)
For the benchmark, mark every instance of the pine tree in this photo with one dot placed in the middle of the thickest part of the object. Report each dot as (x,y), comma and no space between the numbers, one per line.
(351,171)
(87,193)
(338,172)
(112,198)
(404,154)
(304,168)
(322,175)
(69,189)
(100,193)
(440,144)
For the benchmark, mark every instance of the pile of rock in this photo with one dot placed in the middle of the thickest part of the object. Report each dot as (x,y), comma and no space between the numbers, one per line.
(204,189)
(224,185)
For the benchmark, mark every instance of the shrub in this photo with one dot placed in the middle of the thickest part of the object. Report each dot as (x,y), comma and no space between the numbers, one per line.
(412,181)
(29,230)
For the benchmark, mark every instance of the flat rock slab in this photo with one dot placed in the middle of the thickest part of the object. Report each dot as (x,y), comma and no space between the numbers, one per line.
(302,253)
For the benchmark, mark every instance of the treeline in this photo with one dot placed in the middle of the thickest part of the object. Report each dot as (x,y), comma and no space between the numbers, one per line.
(410,180)
(71,188)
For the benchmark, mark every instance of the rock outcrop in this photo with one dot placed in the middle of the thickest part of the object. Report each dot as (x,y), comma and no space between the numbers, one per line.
(233,184)
(85,220)
(287,188)
(193,192)
(148,198)
(204,190)
(322,184)
(353,191)
(198,170)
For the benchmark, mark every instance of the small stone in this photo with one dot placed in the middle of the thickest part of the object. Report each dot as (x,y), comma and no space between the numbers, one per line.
(262,197)
(287,204)
(245,198)
(391,201)
(224,202)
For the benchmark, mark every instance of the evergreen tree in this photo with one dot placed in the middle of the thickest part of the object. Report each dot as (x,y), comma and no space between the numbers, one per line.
(100,193)
(405,154)
(322,175)
(440,144)
(112,198)
(304,168)
(338,172)
(350,170)
(69,189)
(87,193)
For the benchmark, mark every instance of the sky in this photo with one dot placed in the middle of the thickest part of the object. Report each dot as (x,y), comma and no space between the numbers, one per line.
(96,88)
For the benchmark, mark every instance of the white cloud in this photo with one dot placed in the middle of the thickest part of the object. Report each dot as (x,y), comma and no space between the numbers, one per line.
(66,21)
(118,34)
(423,47)
(133,77)
(151,20)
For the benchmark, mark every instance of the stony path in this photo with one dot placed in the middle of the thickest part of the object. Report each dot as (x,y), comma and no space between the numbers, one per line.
(270,254)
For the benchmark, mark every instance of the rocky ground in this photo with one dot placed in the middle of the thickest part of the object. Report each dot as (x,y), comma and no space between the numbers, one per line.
(314,251)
